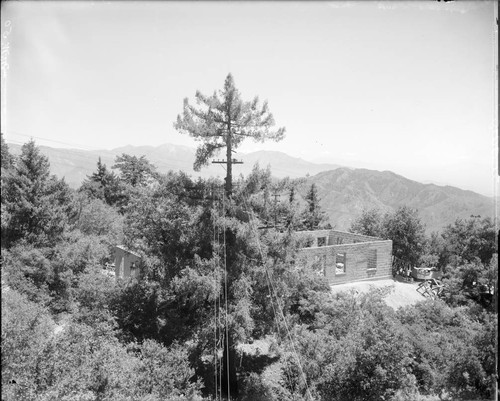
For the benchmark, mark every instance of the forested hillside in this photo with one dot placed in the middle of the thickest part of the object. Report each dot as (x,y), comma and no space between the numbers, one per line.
(344,192)
(75,164)
(70,331)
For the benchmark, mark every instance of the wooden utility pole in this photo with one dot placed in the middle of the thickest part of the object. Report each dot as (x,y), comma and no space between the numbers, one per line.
(230,387)
(276,196)
(222,121)
(229,164)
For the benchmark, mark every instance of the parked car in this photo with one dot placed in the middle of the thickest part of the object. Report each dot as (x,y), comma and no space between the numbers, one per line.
(425,273)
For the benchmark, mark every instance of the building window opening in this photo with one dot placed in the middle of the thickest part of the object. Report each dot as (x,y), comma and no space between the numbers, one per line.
(319,265)
(309,242)
(340,265)
(134,271)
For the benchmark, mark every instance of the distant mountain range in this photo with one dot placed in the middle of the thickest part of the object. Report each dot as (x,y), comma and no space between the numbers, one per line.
(344,192)
(75,165)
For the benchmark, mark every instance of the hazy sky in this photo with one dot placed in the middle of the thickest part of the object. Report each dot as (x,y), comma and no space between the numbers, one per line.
(402,86)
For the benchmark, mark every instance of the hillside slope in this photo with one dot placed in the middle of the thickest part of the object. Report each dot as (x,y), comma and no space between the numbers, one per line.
(74,165)
(345,192)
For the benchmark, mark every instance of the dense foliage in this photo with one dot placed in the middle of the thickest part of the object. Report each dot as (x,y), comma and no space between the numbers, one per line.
(72,332)
(403,227)
(224,120)
(35,205)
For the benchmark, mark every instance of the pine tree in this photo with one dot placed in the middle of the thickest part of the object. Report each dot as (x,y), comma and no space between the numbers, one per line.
(292,216)
(135,171)
(6,165)
(224,120)
(103,184)
(102,175)
(7,158)
(313,217)
(38,205)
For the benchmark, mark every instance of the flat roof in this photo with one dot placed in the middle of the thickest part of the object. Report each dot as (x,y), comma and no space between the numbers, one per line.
(123,248)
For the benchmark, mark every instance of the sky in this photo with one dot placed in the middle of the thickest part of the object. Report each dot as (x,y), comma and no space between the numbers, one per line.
(403,86)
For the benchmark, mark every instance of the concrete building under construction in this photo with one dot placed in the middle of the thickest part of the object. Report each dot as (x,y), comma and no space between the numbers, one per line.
(343,257)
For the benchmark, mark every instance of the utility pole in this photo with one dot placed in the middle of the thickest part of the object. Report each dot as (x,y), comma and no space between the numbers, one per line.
(222,121)
(229,352)
(229,163)
(276,196)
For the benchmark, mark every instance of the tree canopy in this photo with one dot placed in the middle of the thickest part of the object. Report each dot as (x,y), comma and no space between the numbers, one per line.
(103,184)
(224,120)
(407,233)
(37,206)
(7,159)
(468,239)
(225,115)
(403,226)
(218,281)
(313,217)
(368,223)
(135,171)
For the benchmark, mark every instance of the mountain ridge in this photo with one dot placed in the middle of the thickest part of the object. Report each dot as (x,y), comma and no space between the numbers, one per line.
(344,191)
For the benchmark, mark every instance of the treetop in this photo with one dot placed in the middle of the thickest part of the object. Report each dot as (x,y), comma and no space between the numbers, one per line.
(224,118)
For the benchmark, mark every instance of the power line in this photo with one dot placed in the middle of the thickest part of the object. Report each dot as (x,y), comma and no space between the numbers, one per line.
(280,309)
(82,147)
(216,296)
(225,296)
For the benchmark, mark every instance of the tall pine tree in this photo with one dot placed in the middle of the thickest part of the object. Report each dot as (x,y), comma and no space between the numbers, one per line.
(104,185)
(36,204)
(224,120)
(313,217)
(7,158)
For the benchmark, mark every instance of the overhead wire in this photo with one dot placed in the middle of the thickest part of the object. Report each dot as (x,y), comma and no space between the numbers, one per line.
(271,290)
(225,294)
(216,296)
(170,164)
(78,145)
(270,282)
(219,341)
(275,314)
(218,318)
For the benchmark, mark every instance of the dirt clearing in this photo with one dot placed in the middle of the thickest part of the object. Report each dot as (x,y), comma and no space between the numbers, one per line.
(402,293)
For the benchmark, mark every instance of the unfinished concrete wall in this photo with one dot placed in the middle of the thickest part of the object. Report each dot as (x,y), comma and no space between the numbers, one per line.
(342,237)
(315,236)
(335,237)
(367,258)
